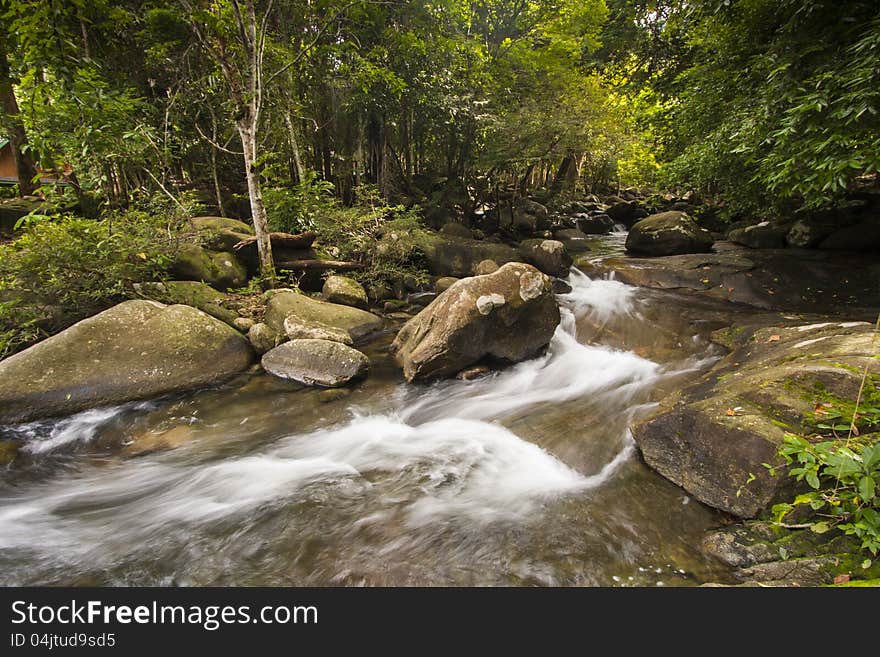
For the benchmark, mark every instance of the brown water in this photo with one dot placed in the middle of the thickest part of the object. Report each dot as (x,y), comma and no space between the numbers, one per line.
(527,477)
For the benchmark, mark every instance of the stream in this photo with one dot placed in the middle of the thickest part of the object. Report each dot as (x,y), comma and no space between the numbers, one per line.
(528,476)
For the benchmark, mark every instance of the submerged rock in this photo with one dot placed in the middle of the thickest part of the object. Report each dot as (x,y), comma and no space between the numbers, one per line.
(316,362)
(135,350)
(668,233)
(286,303)
(510,314)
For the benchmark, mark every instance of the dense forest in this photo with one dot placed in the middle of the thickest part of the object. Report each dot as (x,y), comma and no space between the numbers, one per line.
(246,157)
(274,111)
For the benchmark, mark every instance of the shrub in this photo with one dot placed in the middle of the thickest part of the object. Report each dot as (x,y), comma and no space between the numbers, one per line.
(64,268)
(357,233)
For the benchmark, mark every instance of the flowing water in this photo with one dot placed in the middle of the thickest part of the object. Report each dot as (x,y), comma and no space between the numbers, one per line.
(525,477)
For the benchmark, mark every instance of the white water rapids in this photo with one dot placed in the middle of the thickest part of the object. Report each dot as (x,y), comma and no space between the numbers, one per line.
(430,457)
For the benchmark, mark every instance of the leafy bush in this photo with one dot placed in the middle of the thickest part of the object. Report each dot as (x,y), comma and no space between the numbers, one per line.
(844,478)
(298,209)
(64,268)
(357,233)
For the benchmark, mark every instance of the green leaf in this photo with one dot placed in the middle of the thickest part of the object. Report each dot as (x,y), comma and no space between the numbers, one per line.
(820,527)
(866,564)
(867,488)
(812,479)
(871,456)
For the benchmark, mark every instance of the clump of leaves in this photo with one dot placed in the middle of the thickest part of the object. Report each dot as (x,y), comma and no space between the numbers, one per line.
(299,208)
(844,477)
(63,268)
(383,237)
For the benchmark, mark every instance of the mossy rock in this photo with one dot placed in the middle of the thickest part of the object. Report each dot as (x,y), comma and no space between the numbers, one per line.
(447,255)
(713,437)
(345,291)
(285,303)
(135,350)
(13,209)
(189,293)
(221,233)
(220,270)
(668,233)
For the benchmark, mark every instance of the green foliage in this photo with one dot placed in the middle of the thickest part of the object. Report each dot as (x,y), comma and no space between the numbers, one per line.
(788,116)
(385,238)
(843,477)
(298,209)
(64,268)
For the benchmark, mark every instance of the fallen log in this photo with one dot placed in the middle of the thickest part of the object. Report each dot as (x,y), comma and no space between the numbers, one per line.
(283,240)
(318,265)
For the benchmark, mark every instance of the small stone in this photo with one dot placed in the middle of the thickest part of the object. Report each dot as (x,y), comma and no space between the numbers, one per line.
(243,324)
(333,394)
(262,337)
(443,284)
(485,267)
(471,373)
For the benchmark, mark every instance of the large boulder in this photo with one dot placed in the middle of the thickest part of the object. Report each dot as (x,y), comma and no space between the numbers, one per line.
(220,270)
(510,314)
(807,233)
(597,224)
(316,362)
(135,350)
(286,303)
(626,212)
(455,229)
(549,256)
(446,255)
(221,233)
(764,235)
(345,291)
(528,216)
(668,233)
(574,239)
(189,293)
(11,210)
(860,237)
(713,437)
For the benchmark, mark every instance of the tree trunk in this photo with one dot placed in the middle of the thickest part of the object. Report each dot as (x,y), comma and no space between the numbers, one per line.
(294,148)
(247,133)
(24,163)
(216,178)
